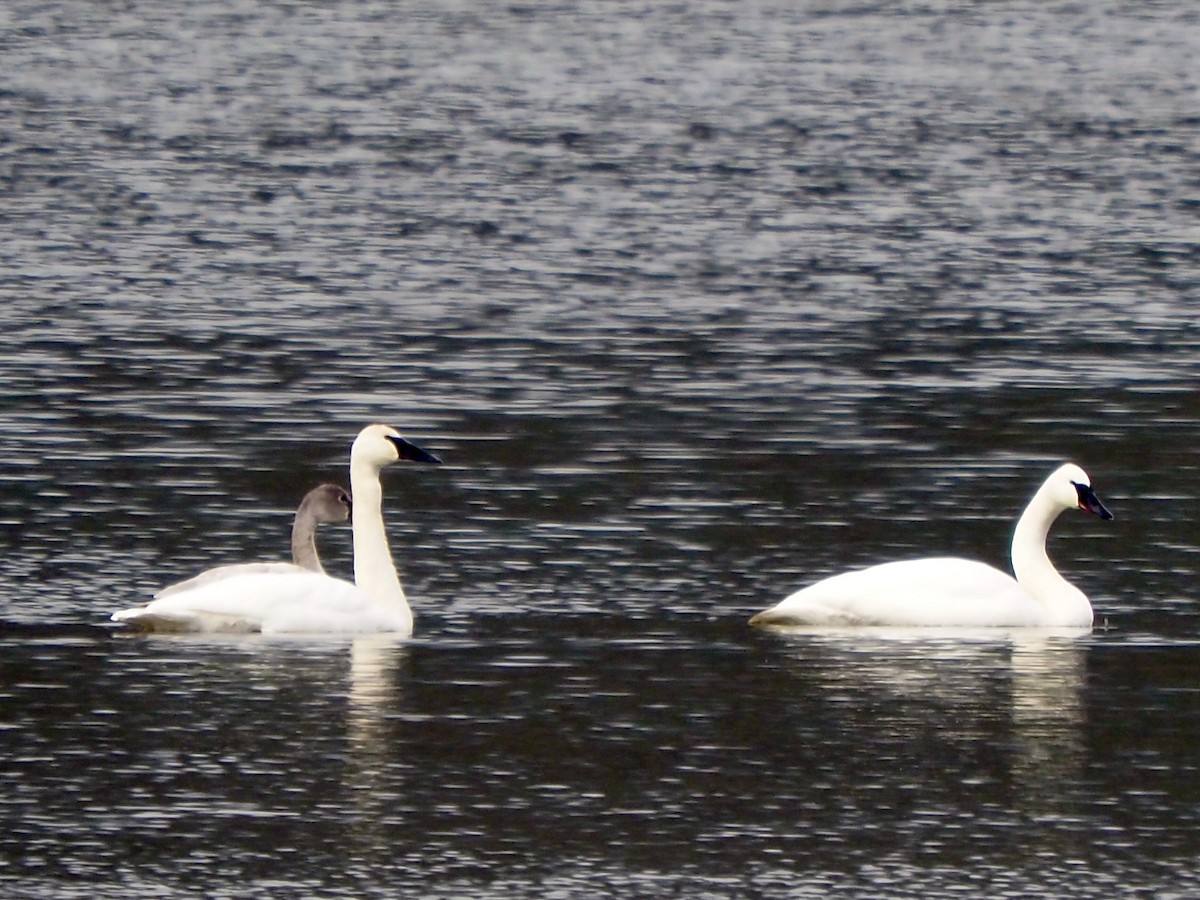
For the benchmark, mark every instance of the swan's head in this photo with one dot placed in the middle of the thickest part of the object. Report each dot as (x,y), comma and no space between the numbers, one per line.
(328,503)
(381,445)
(1072,489)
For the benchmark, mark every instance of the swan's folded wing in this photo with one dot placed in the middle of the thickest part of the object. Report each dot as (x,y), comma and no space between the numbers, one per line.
(230,571)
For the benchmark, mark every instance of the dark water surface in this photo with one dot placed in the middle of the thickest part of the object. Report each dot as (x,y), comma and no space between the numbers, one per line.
(698,302)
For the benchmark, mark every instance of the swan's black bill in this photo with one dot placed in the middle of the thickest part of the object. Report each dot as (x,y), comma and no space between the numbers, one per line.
(412,451)
(1089,501)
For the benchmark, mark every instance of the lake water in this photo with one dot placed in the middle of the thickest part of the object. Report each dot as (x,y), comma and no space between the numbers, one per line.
(698,303)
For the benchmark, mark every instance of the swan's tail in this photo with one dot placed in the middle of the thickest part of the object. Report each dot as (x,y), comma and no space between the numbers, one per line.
(809,615)
(777,616)
(143,618)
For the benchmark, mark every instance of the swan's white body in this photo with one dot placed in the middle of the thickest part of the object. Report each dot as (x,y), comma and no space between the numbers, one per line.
(283,601)
(276,601)
(945,591)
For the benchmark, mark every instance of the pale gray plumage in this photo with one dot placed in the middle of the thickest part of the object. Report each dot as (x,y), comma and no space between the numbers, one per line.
(326,504)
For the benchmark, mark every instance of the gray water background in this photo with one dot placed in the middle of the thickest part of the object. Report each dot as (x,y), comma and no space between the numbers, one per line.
(699,303)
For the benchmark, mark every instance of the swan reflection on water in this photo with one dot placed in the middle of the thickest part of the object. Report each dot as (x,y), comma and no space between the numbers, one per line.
(1019,691)
(374,777)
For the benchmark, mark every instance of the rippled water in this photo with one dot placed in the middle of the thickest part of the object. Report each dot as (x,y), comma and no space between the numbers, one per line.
(698,303)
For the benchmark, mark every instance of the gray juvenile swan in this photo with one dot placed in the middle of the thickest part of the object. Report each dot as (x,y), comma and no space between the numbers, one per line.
(326,504)
(301,601)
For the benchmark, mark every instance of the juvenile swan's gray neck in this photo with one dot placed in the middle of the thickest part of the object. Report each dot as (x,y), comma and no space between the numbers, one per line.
(1064,604)
(304,539)
(324,503)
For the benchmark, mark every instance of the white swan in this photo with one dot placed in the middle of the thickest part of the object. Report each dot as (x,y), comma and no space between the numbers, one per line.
(959,592)
(324,504)
(301,601)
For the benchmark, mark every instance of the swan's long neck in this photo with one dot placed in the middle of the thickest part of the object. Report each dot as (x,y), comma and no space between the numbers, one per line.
(1065,604)
(304,540)
(374,570)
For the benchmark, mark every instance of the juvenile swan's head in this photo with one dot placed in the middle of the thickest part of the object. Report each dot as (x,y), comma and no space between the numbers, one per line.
(327,503)
(382,445)
(1072,489)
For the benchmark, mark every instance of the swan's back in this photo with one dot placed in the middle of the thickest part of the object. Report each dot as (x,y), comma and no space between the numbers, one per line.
(219,573)
(271,602)
(920,592)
